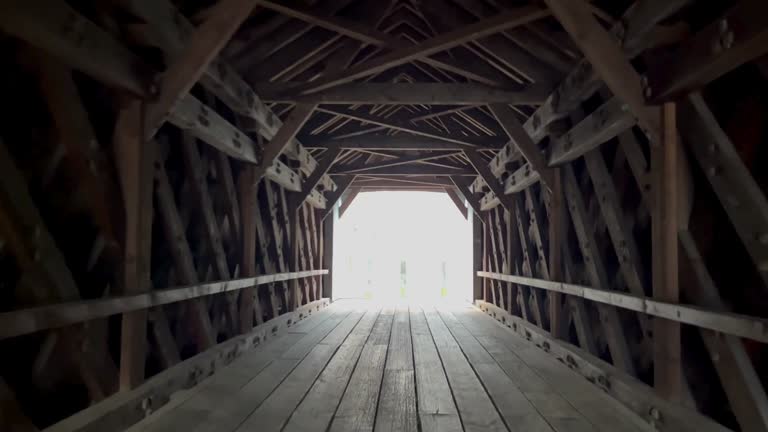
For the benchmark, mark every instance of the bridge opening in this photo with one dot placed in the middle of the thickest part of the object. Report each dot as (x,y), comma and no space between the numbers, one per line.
(403,246)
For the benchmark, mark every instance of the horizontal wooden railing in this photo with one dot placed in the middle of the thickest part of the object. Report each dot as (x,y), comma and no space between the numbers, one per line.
(25,321)
(730,323)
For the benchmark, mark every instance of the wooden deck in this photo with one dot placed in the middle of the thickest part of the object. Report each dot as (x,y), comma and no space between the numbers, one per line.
(360,367)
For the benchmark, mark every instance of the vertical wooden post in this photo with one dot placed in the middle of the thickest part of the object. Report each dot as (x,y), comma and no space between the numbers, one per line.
(668,379)
(135,159)
(249,299)
(477,256)
(328,228)
(556,238)
(295,258)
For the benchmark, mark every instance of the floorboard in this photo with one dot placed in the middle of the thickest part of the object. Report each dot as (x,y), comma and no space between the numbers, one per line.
(319,405)
(437,409)
(475,406)
(357,410)
(358,366)
(397,401)
(549,382)
(275,410)
(517,411)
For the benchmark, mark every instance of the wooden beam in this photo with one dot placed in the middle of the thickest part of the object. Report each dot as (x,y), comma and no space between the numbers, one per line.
(414,129)
(136,157)
(608,59)
(531,303)
(406,93)
(557,319)
(606,123)
(46,278)
(495,49)
(343,184)
(360,31)
(729,323)
(266,262)
(622,237)
(457,200)
(416,170)
(501,22)
(522,140)
(249,297)
(521,179)
(78,138)
(493,183)
(461,187)
(202,47)
(347,200)
(329,157)
(738,37)
(395,182)
(729,177)
(77,42)
(220,79)
(25,321)
(319,18)
(406,160)
(737,373)
(583,82)
(328,226)
(184,265)
(668,378)
(279,233)
(595,269)
(477,252)
(203,122)
(388,143)
(211,231)
(283,137)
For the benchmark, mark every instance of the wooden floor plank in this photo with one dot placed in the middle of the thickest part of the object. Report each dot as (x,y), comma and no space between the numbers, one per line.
(583,400)
(357,410)
(560,415)
(437,409)
(356,367)
(397,402)
(516,410)
(272,414)
(319,405)
(228,411)
(191,407)
(476,409)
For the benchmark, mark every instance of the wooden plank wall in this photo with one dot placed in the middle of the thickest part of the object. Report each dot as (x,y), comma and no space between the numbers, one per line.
(642,200)
(110,195)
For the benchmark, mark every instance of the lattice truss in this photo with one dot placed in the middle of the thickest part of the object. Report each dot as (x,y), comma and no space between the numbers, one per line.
(170,171)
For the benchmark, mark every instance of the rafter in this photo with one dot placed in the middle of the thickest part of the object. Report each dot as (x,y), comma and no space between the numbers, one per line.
(414,129)
(406,160)
(439,43)
(406,93)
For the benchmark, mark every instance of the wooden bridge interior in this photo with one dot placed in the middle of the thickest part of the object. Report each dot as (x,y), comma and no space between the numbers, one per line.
(171,172)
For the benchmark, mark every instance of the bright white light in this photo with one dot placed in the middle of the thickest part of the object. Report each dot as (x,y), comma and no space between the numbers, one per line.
(395,246)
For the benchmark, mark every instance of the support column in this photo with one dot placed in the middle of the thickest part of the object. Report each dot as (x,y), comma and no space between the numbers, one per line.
(136,159)
(668,377)
(328,227)
(477,255)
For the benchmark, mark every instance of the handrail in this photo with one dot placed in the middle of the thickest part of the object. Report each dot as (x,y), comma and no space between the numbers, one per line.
(745,326)
(25,321)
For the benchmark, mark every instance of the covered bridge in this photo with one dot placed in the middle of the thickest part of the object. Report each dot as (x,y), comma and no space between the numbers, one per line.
(171,172)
